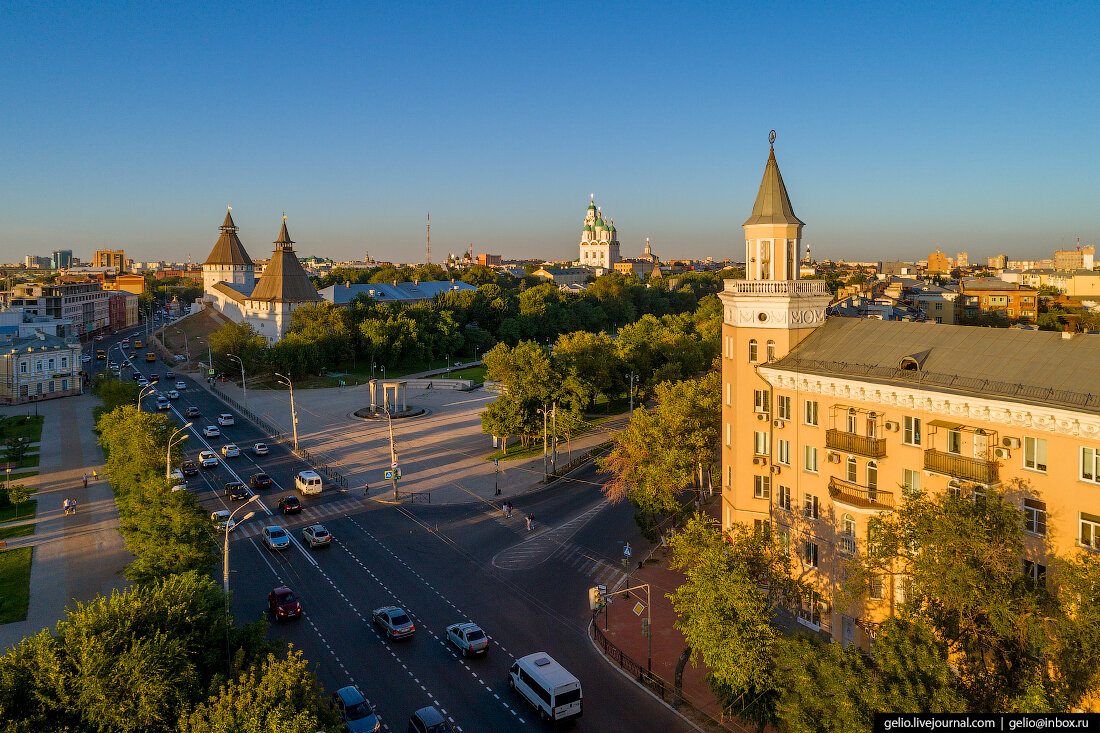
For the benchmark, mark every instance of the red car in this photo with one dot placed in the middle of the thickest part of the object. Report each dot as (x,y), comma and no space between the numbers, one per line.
(283,604)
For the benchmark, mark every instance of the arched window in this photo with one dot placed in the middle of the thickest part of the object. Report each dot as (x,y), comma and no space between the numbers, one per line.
(848,525)
(771,350)
(851,472)
(754,354)
(852,422)
(872,475)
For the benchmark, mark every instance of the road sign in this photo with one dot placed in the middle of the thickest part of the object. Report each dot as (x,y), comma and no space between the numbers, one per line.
(210,372)
(626,550)
(638,608)
(389,474)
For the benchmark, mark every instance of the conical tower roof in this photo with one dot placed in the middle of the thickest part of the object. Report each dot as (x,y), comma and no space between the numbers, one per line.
(228,250)
(284,280)
(773,205)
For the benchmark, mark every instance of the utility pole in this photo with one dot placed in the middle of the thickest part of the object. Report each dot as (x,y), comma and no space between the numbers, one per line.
(545,472)
(554,451)
(428,255)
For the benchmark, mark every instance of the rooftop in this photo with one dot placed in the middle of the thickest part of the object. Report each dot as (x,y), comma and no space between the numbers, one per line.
(342,294)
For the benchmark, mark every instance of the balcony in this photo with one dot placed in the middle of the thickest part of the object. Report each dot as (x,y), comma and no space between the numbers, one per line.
(847,492)
(853,443)
(846,544)
(971,469)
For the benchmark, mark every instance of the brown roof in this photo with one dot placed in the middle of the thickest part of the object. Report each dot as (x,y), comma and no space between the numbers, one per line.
(231,292)
(773,205)
(228,250)
(284,280)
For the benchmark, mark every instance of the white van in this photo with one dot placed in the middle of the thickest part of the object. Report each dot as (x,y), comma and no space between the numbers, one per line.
(547,685)
(308,482)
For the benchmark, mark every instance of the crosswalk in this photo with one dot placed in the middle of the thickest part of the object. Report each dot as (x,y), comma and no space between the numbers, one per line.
(309,515)
(580,559)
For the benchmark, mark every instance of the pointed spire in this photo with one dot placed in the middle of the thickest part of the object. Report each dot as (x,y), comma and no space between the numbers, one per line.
(284,239)
(773,205)
(228,250)
(228,225)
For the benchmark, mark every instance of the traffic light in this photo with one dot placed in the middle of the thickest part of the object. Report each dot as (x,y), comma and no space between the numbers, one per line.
(593,598)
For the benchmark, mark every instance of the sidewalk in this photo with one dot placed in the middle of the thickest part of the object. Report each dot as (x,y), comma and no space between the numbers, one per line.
(78,557)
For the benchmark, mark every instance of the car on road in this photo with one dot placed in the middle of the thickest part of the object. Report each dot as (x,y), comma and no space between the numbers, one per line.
(290,505)
(225,419)
(176,475)
(260,481)
(162,403)
(142,381)
(112,365)
(230,450)
(187,468)
(355,711)
(259,449)
(173,394)
(180,384)
(221,520)
(133,354)
(154,378)
(169,375)
(86,358)
(236,491)
(276,538)
(468,637)
(211,431)
(429,720)
(180,487)
(283,604)
(99,337)
(125,343)
(316,535)
(393,621)
(207,459)
(192,412)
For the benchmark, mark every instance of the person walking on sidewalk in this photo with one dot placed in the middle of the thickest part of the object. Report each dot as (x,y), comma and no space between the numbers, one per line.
(530,520)
(85,481)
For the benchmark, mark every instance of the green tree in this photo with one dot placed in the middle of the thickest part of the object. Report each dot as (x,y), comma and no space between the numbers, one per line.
(114,393)
(502,418)
(15,450)
(590,357)
(326,328)
(18,494)
(240,339)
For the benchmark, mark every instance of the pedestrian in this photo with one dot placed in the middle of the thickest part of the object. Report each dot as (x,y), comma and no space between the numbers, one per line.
(95,476)
(530,518)
(85,481)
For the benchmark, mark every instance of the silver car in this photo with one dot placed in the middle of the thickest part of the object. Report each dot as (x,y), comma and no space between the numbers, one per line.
(276,538)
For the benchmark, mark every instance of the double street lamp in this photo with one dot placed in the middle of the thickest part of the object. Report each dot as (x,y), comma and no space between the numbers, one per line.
(142,393)
(168,453)
(225,570)
(244,389)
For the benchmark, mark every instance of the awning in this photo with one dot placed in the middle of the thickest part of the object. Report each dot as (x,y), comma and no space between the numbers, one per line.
(946,424)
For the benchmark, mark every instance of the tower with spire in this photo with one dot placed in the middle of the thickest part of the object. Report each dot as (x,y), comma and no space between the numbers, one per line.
(599,240)
(228,262)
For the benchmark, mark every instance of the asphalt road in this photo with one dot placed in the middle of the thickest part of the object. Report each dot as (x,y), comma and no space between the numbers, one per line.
(442,564)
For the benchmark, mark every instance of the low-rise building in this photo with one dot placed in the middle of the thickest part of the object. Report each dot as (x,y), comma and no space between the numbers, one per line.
(37,367)
(996,262)
(990,295)
(489,260)
(564,275)
(396,292)
(82,303)
(1076,284)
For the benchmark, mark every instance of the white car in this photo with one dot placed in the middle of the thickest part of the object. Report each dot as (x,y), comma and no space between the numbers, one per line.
(173,394)
(162,404)
(276,538)
(176,475)
(211,431)
(221,520)
(180,384)
(316,536)
(86,358)
(225,419)
(259,449)
(207,459)
(230,450)
(468,637)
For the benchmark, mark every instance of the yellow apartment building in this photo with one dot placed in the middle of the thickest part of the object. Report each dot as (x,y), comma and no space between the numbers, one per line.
(825,420)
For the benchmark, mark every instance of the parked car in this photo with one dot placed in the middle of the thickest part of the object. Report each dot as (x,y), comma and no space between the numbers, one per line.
(86,358)
(316,536)
(221,520)
(211,431)
(355,711)
(393,621)
(236,491)
(225,419)
(260,481)
(187,468)
(192,412)
(468,637)
(276,538)
(290,505)
(230,450)
(259,449)
(283,604)
(207,459)
(429,720)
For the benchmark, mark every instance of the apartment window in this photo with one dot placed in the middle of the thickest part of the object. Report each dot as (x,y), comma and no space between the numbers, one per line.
(954,441)
(761,400)
(811,412)
(753,351)
(729,476)
(64,384)
(1035,454)
(22,367)
(1090,531)
(872,475)
(1090,465)
(912,431)
(875,586)
(51,363)
(954,488)
(1035,573)
(783,540)
(38,365)
(848,525)
(784,407)
(762,487)
(770,353)
(760,444)
(850,469)
(729,399)
(809,459)
(809,553)
(911,479)
(872,540)
(729,435)
(784,498)
(1035,516)
(810,507)
(64,362)
(762,528)
(809,610)
(784,451)
(852,423)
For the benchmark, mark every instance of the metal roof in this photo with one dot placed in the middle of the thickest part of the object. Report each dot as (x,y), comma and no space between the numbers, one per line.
(342,294)
(773,205)
(228,250)
(284,280)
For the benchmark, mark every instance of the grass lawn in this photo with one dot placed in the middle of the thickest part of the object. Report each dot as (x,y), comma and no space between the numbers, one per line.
(20,530)
(31,427)
(516,451)
(359,372)
(20,475)
(475,374)
(15,584)
(27,510)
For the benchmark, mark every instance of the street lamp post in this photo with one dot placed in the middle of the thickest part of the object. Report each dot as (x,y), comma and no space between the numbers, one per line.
(186,346)
(168,453)
(293,413)
(244,389)
(633,380)
(225,569)
(142,394)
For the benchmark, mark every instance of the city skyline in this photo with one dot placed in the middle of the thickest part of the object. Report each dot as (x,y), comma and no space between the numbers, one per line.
(897,131)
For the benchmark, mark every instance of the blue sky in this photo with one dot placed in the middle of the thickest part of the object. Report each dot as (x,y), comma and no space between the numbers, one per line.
(973,126)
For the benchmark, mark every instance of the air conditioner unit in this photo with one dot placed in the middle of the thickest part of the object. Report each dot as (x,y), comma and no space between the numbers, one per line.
(761,416)
(1010,442)
(759,461)
(1002,453)
(892,426)
(775,469)
(834,457)
(778,423)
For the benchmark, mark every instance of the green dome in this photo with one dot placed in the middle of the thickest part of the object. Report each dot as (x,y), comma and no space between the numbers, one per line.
(612,228)
(588,228)
(591,205)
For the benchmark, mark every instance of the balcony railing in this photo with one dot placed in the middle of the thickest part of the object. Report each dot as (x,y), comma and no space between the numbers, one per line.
(853,443)
(952,464)
(861,496)
(846,544)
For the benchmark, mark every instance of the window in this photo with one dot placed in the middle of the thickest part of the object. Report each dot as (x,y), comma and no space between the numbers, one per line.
(729,399)
(64,362)
(875,589)
(850,469)
(784,498)
(753,351)
(783,539)
(784,447)
(1090,531)
(954,441)
(1035,573)
(38,365)
(1035,517)
(770,353)
(955,489)
(762,528)
(810,506)
(51,365)
(912,431)
(811,412)
(809,609)
(848,525)
(761,444)
(22,367)
(784,407)
(809,553)
(872,475)
(809,459)
(872,539)
(852,423)
(1090,465)
(761,400)
(1035,454)
(762,487)
(729,435)
(911,479)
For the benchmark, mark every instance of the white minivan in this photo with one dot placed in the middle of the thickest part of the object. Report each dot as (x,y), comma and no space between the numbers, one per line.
(308,482)
(547,685)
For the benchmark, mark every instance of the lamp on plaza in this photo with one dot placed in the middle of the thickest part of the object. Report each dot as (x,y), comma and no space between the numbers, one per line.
(168,453)
(225,568)
(293,413)
(244,389)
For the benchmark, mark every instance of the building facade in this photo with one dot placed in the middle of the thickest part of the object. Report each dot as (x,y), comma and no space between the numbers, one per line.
(990,295)
(82,303)
(938,263)
(599,240)
(61,259)
(38,367)
(111,258)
